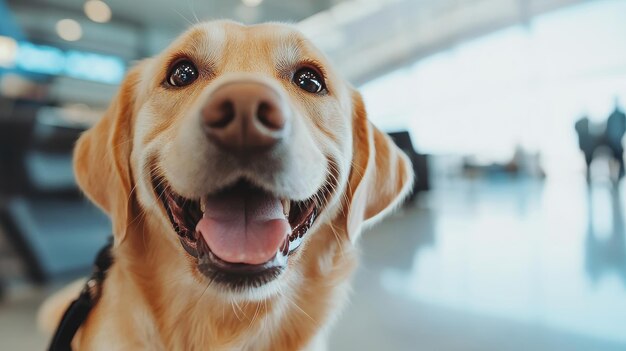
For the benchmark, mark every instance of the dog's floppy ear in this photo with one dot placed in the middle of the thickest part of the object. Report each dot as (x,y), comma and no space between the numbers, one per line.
(381,174)
(102,157)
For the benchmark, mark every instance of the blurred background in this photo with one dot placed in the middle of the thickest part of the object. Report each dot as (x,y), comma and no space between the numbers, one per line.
(511,111)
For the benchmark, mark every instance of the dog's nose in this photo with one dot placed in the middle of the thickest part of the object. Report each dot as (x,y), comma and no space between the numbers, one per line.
(242,116)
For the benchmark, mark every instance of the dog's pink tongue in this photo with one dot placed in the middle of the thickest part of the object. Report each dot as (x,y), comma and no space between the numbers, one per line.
(244,226)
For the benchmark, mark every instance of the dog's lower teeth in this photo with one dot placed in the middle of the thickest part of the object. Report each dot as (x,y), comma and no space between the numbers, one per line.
(295,243)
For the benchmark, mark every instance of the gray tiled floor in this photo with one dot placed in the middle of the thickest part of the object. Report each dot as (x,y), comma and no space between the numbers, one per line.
(499,265)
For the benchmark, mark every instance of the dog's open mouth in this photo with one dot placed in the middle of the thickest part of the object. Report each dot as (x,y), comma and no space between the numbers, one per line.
(242,235)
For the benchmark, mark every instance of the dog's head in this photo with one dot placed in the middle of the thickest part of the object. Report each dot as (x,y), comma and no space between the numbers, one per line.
(238,144)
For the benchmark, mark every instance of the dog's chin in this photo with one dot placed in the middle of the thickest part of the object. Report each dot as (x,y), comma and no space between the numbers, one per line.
(239,272)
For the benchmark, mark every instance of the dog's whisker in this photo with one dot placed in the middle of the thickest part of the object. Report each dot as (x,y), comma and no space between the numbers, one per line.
(256,313)
(192,7)
(233,303)
(337,239)
(183,17)
(241,310)
(203,292)
(295,304)
(223,313)
(143,233)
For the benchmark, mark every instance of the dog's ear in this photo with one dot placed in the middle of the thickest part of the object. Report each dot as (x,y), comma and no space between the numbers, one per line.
(102,157)
(381,174)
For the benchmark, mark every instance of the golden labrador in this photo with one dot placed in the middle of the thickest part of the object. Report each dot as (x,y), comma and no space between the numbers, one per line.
(238,168)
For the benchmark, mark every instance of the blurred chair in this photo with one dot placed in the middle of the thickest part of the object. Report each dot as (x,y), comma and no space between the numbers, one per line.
(418,161)
(16,125)
(54,231)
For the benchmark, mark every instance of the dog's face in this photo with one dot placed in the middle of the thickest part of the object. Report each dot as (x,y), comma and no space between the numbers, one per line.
(240,143)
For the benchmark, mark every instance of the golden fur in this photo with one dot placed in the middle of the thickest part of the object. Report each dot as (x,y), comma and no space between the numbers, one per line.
(153,298)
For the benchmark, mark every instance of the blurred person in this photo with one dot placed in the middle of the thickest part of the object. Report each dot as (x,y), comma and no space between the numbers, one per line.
(615,130)
(585,141)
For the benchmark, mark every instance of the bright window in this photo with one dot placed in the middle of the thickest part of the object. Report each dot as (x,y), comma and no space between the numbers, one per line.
(524,85)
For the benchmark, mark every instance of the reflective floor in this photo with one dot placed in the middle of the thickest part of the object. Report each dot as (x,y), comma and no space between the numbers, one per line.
(498,265)
(475,265)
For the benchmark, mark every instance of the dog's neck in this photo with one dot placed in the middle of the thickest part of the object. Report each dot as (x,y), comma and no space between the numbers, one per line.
(186,313)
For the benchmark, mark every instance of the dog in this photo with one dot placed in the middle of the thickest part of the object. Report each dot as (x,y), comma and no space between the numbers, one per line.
(238,169)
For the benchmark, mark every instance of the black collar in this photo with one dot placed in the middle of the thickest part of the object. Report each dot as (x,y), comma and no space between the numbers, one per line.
(79,309)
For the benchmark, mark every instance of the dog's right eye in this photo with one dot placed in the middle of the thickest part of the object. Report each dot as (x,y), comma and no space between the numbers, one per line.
(182,73)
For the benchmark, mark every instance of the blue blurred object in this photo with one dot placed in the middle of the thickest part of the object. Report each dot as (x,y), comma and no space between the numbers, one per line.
(39,59)
(33,59)
(95,67)
(49,60)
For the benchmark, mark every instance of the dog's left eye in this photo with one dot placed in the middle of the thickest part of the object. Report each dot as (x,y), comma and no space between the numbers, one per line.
(183,73)
(309,80)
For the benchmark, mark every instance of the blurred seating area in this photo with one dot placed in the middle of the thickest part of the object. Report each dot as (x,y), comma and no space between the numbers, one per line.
(52,231)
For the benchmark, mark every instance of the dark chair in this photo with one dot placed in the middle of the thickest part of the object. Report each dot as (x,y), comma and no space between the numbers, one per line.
(51,227)
(418,161)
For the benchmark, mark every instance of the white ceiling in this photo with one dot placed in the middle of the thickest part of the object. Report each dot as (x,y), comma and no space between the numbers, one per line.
(177,14)
(144,27)
(365,38)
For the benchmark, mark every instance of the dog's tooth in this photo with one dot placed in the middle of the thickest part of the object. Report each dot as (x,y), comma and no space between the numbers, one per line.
(286,207)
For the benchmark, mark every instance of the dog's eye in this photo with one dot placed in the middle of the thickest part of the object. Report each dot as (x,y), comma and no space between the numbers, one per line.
(309,80)
(183,73)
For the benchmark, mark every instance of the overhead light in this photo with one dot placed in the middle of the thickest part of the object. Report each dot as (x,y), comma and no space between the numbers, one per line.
(69,30)
(97,11)
(252,3)
(8,51)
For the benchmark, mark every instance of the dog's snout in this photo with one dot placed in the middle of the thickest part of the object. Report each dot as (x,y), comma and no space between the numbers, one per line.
(245,116)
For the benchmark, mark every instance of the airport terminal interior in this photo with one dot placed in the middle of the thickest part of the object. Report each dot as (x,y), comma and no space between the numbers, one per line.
(511,112)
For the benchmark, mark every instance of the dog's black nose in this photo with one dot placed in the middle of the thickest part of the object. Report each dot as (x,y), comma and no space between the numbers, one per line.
(245,115)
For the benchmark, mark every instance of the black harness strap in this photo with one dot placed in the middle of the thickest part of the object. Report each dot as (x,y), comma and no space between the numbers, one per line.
(79,309)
